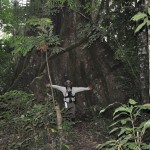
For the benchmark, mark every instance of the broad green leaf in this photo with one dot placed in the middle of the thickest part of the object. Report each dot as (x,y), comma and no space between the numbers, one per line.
(142,125)
(148,23)
(123,140)
(132,102)
(125,131)
(146,126)
(145,107)
(129,130)
(124,121)
(145,146)
(138,16)
(126,139)
(149,10)
(122,109)
(140,27)
(131,145)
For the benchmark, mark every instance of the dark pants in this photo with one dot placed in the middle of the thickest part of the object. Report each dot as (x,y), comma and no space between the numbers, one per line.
(71,109)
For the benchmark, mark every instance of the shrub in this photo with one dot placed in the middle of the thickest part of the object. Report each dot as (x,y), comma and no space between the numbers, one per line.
(129,128)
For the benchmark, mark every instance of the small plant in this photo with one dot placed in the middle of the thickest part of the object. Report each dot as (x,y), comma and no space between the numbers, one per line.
(28,123)
(67,125)
(42,41)
(144,17)
(14,103)
(6,67)
(129,128)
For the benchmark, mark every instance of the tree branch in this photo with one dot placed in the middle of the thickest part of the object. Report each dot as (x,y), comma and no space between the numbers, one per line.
(23,72)
(73,46)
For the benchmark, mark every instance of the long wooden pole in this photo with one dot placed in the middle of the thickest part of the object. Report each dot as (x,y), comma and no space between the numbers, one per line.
(55,104)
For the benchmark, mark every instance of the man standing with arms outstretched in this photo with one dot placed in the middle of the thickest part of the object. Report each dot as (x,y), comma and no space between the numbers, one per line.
(69,95)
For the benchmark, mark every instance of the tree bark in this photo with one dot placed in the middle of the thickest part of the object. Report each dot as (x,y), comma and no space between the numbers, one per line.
(144,65)
(27,69)
(143,59)
(73,46)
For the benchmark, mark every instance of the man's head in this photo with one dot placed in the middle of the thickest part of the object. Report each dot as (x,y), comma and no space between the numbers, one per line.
(68,83)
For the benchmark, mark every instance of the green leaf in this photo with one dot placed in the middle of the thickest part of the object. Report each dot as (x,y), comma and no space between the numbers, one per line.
(140,27)
(53,130)
(115,123)
(145,146)
(123,130)
(114,130)
(129,129)
(103,110)
(149,10)
(126,139)
(124,121)
(120,115)
(112,148)
(145,107)
(146,126)
(131,145)
(132,102)
(100,146)
(138,16)
(122,109)
(47,20)
(65,146)
(148,23)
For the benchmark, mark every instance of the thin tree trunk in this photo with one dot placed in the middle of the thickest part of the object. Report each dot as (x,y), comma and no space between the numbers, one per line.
(144,65)
(107,18)
(149,56)
(143,59)
(55,104)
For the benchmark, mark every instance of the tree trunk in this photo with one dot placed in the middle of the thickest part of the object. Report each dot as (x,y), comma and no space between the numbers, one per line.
(95,66)
(149,57)
(144,65)
(143,59)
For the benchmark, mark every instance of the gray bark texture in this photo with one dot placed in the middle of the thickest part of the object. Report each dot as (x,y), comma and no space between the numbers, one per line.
(143,54)
(144,65)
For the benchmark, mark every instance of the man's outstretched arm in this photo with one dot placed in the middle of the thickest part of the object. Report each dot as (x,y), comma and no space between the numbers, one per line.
(60,88)
(80,89)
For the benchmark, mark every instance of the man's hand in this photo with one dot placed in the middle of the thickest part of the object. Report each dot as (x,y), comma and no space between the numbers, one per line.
(89,87)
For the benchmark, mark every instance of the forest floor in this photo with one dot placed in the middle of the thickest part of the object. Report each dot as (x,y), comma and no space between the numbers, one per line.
(81,135)
(86,135)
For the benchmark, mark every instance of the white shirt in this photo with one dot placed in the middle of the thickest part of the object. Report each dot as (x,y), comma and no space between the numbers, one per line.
(74,91)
